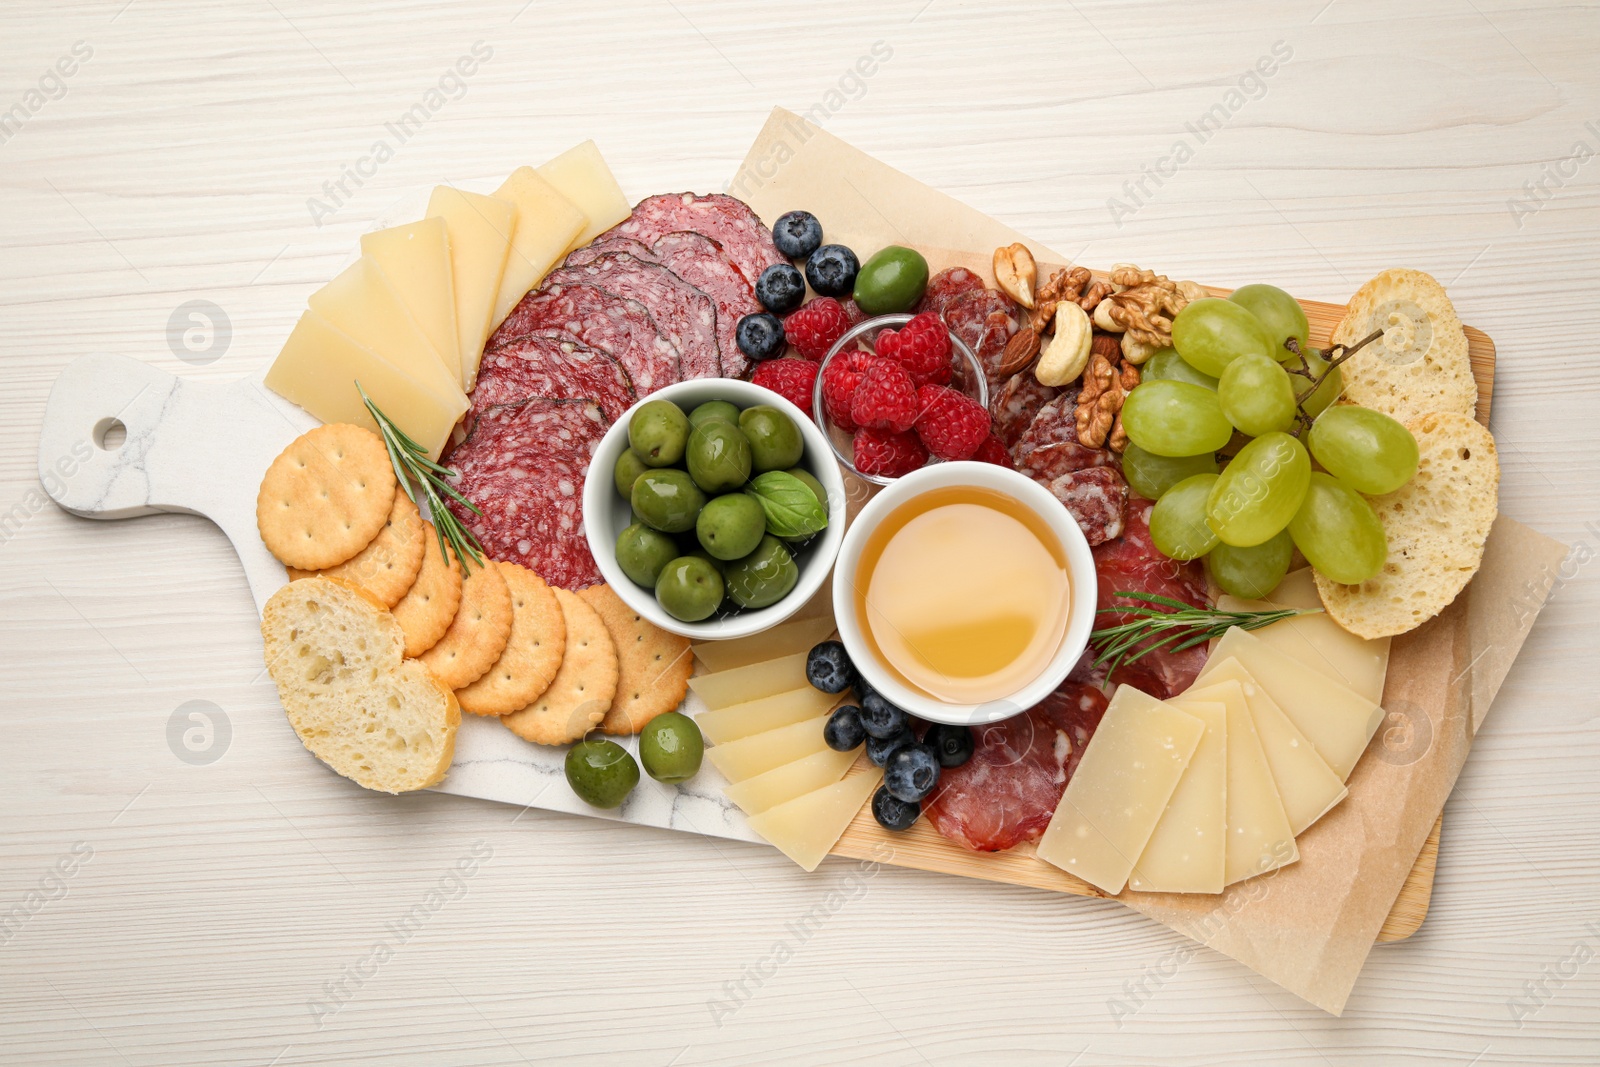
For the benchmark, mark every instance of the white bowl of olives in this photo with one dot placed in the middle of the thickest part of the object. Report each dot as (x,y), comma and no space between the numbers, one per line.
(714,508)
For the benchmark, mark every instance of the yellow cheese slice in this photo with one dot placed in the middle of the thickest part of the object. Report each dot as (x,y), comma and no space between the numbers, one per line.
(319,366)
(1120,789)
(785,639)
(1306,785)
(1322,645)
(768,713)
(480,229)
(1297,590)
(1336,721)
(759,753)
(580,174)
(805,828)
(546,224)
(782,784)
(1187,851)
(752,682)
(415,260)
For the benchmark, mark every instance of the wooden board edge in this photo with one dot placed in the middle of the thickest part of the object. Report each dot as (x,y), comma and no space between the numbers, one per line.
(1411,906)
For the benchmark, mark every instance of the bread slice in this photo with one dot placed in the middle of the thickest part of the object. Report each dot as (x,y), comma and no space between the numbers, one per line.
(1420,364)
(1436,525)
(338,658)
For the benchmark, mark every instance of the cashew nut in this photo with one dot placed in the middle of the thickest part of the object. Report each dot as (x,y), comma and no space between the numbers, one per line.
(1064,358)
(1191,291)
(1015,273)
(1103,319)
(1136,351)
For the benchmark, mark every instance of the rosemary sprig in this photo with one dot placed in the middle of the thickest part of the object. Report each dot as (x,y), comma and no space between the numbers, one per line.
(414,469)
(1183,626)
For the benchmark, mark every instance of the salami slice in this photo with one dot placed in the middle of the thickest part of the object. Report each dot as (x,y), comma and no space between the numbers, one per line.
(619,327)
(1055,428)
(945,287)
(1013,408)
(985,319)
(700,261)
(601,245)
(684,314)
(553,368)
(523,466)
(724,219)
(1096,498)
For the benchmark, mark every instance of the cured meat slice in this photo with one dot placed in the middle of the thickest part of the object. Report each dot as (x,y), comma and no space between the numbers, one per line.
(601,245)
(1096,498)
(1008,790)
(523,466)
(985,319)
(945,287)
(700,261)
(724,219)
(555,368)
(1054,431)
(682,313)
(619,327)
(1013,408)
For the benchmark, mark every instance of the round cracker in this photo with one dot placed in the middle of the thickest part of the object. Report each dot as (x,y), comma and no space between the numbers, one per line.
(478,633)
(428,607)
(326,496)
(1420,363)
(388,566)
(653,666)
(581,692)
(532,654)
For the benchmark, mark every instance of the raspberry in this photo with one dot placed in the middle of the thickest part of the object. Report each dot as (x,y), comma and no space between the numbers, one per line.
(792,379)
(816,326)
(923,345)
(951,424)
(888,454)
(839,380)
(886,399)
(993,450)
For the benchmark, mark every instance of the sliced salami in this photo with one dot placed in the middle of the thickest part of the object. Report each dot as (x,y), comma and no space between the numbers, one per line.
(523,465)
(1013,408)
(684,314)
(1056,426)
(724,219)
(945,287)
(617,326)
(1096,498)
(985,319)
(700,261)
(601,245)
(552,367)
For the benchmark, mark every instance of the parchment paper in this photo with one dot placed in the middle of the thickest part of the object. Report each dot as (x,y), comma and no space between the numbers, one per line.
(1309,926)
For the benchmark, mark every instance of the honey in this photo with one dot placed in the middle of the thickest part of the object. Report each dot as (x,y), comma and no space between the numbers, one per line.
(963,594)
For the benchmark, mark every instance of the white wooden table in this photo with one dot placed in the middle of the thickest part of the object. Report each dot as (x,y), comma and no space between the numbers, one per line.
(254,909)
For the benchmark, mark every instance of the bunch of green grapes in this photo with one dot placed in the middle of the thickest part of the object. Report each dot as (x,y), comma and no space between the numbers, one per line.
(1243,365)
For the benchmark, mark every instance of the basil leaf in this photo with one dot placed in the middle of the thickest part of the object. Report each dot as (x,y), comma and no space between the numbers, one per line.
(791,508)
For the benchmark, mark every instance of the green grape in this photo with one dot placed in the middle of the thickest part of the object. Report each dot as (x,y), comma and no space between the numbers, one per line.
(1338,532)
(1259,492)
(1178,521)
(1175,419)
(1167,366)
(1316,403)
(1256,395)
(1210,333)
(1251,573)
(1365,449)
(1151,475)
(1279,312)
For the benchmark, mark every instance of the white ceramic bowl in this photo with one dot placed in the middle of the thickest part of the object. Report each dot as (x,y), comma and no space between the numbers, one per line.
(1080,562)
(606,514)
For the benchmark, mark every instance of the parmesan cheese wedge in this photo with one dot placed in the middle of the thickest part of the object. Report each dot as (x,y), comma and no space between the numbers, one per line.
(807,827)
(739,721)
(751,682)
(415,261)
(547,223)
(785,639)
(782,784)
(758,753)
(580,174)
(1187,852)
(480,229)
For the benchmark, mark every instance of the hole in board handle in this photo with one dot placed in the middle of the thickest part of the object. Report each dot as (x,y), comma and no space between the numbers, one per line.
(109,434)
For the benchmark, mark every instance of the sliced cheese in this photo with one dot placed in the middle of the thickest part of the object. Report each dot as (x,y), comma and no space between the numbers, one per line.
(1187,852)
(415,260)
(1306,785)
(547,223)
(782,784)
(1297,590)
(580,174)
(768,713)
(752,682)
(480,230)
(319,366)
(759,753)
(805,828)
(785,639)
(1322,645)
(1336,721)
(1120,789)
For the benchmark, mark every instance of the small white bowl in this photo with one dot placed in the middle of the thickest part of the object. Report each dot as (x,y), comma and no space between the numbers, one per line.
(1080,564)
(606,514)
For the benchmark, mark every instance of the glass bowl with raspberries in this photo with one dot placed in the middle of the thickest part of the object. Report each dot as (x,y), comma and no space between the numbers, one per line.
(897,392)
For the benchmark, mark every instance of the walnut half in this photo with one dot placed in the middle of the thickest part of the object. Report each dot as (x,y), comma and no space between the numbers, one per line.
(1106,384)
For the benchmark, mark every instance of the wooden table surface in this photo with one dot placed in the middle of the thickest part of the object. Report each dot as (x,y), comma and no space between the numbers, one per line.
(240,905)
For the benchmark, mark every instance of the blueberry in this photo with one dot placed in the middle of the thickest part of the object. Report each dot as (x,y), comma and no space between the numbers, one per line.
(880,749)
(843,731)
(829,669)
(832,270)
(797,234)
(761,337)
(781,289)
(952,744)
(893,813)
(911,773)
(881,718)
(862,688)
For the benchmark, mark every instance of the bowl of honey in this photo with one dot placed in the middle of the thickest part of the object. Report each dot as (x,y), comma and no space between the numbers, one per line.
(964,593)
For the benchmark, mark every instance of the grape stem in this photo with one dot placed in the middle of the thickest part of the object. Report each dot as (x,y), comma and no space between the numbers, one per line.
(1335,356)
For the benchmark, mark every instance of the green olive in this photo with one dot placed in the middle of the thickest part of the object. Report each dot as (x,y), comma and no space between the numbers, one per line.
(689,589)
(811,483)
(658,432)
(667,500)
(893,280)
(671,748)
(775,441)
(714,409)
(626,472)
(718,456)
(642,552)
(730,527)
(601,772)
(762,578)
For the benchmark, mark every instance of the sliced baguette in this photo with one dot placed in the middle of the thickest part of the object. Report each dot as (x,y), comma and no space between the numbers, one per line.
(337,657)
(1420,364)
(1436,525)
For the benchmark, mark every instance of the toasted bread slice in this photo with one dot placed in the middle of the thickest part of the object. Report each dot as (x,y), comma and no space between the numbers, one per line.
(1420,363)
(357,704)
(1436,525)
